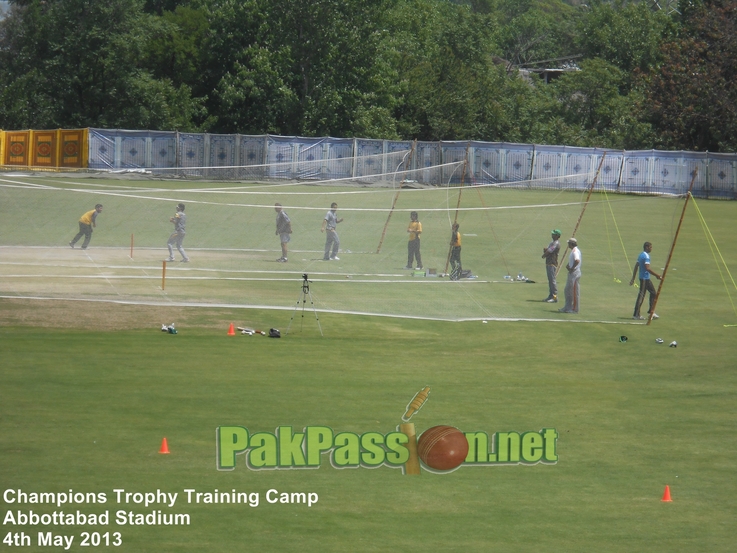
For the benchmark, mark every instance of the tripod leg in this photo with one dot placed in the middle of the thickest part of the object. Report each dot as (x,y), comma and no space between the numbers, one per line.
(312,303)
(300,299)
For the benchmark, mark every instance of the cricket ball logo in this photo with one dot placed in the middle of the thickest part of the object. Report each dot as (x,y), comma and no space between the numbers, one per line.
(439,449)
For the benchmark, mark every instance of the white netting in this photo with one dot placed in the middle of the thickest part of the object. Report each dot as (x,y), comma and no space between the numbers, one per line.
(232,242)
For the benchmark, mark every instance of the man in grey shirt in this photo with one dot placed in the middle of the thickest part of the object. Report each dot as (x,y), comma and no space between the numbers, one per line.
(177,237)
(331,240)
(283,230)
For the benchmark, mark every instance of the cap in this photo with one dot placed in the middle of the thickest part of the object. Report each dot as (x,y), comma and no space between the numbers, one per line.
(573,241)
(555,232)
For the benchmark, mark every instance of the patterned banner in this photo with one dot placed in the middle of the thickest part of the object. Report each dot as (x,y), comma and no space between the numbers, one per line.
(16,149)
(44,148)
(73,148)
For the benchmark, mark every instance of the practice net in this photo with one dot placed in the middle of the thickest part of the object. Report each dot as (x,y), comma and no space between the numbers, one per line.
(233,246)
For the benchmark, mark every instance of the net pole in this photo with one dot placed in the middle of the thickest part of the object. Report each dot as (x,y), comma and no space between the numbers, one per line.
(458,206)
(583,210)
(672,246)
(394,202)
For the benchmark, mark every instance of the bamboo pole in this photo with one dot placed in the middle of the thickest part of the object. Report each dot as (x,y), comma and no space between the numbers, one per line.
(396,197)
(672,246)
(586,203)
(458,205)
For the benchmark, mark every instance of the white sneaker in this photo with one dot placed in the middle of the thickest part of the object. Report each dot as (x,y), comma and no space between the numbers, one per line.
(169,259)
(655,316)
(335,258)
(638,318)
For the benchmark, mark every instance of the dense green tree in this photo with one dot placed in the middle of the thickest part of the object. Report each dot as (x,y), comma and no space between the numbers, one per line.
(535,30)
(693,93)
(425,69)
(595,108)
(626,34)
(75,63)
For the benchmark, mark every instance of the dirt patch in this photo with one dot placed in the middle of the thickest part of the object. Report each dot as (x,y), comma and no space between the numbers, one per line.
(85,315)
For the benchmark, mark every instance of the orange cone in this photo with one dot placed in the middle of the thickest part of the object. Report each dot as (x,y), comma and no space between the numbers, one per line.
(666,494)
(231,330)
(164,447)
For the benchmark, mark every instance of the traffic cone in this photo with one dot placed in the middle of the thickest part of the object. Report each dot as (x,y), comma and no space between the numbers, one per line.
(231,330)
(165,448)
(666,494)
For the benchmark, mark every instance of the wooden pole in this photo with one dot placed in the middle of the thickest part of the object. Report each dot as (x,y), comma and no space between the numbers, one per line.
(575,229)
(458,204)
(396,197)
(672,246)
(163,274)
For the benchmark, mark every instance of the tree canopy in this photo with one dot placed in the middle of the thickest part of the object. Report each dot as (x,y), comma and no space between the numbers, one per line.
(629,76)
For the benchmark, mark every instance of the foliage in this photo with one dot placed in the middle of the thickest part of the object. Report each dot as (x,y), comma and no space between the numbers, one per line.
(397,69)
(75,63)
(692,95)
(625,34)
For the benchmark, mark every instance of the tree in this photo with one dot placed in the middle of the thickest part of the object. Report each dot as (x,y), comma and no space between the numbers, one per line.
(626,34)
(590,107)
(693,93)
(75,63)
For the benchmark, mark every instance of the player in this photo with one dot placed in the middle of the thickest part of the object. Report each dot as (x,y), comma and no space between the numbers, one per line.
(177,237)
(550,254)
(646,284)
(413,244)
(455,253)
(573,287)
(329,223)
(283,230)
(86,223)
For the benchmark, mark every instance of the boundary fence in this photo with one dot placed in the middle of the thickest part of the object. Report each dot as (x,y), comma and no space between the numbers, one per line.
(269,157)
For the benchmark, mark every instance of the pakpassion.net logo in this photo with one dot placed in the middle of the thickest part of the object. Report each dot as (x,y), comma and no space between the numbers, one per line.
(439,449)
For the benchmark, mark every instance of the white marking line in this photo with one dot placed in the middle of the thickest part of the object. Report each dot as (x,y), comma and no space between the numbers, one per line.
(291,308)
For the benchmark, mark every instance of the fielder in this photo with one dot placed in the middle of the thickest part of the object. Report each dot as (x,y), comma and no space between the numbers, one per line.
(177,237)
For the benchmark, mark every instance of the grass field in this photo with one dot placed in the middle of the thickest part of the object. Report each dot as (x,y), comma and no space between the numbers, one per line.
(89,389)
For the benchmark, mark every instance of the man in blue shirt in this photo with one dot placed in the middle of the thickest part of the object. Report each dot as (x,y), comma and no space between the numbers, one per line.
(646,285)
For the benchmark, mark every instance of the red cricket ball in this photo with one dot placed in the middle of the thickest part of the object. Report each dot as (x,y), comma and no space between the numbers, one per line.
(442,447)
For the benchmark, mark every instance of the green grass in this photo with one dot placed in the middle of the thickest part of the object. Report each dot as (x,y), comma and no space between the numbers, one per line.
(86,408)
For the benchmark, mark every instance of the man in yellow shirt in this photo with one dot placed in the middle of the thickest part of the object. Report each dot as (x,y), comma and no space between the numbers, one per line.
(455,253)
(86,222)
(413,245)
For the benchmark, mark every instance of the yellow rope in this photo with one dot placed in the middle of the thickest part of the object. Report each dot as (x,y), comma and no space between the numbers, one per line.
(714,251)
(619,234)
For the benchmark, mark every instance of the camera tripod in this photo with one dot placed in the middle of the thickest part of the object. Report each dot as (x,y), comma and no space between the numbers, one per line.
(304,294)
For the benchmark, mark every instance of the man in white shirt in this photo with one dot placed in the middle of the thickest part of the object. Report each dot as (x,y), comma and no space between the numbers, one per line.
(573,288)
